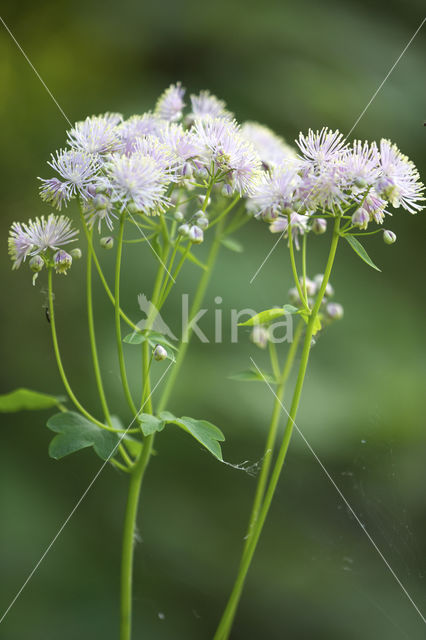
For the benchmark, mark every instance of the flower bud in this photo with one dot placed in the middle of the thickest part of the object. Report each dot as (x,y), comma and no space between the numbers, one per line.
(178,216)
(203,222)
(187,170)
(361,218)
(361,183)
(293,296)
(202,198)
(62,261)
(311,287)
(159,353)
(389,236)
(334,311)
(100,202)
(132,208)
(268,215)
(36,264)
(107,242)
(329,291)
(76,253)
(319,226)
(260,336)
(202,172)
(184,229)
(196,234)
(227,190)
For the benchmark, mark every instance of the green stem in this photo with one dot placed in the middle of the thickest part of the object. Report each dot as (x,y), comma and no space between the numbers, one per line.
(129,539)
(59,360)
(272,433)
(198,299)
(294,268)
(227,619)
(121,360)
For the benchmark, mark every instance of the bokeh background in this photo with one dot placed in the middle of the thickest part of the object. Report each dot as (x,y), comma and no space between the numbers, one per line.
(290,65)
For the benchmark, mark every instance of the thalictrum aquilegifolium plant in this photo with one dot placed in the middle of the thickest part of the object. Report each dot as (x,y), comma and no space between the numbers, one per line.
(166,180)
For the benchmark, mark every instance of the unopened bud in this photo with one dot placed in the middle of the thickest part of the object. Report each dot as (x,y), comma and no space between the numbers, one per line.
(361,183)
(159,353)
(107,242)
(260,336)
(76,253)
(196,234)
(62,261)
(293,296)
(178,216)
(203,222)
(389,236)
(319,226)
(187,170)
(334,311)
(329,291)
(36,264)
(202,172)
(227,190)
(132,208)
(100,202)
(202,198)
(361,218)
(184,229)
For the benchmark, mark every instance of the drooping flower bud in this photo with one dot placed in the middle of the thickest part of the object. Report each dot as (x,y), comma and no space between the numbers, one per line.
(62,261)
(319,226)
(260,336)
(361,218)
(184,229)
(196,235)
(36,263)
(203,222)
(159,353)
(334,311)
(76,253)
(389,236)
(178,216)
(202,198)
(107,242)
(132,208)
(100,202)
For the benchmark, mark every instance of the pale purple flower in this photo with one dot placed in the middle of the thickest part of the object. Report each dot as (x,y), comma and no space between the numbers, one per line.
(161,153)
(205,104)
(360,165)
(271,148)
(275,191)
(170,104)
(96,134)
(231,157)
(321,147)
(184,144)
(78,171)
(400,181)
(62,261)
(325,190)
(374,206)
(297,222)
(138,180)
(37,236)
(98,210)
(136,127)
(54,192)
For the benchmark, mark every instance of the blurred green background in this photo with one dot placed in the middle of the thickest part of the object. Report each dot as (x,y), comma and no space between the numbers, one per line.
(290,65)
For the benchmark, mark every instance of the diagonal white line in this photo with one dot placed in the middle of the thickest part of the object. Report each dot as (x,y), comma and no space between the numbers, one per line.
(48,548)
(69,122)
(347,504)
(351,130)
(35,71)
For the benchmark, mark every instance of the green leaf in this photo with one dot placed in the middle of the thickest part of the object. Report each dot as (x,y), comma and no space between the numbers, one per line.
(150,424)
(252,376)
(153,338)
(192,258)
(232,245)
(203,431)
(27,400)
(359,249)
(75,432)
(264,317)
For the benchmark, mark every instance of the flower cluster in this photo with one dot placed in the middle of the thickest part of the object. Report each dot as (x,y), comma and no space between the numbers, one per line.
(330,177)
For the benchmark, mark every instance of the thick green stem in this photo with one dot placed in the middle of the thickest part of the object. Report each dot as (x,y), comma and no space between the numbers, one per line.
(129,539)
(227,619)
(121,360)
